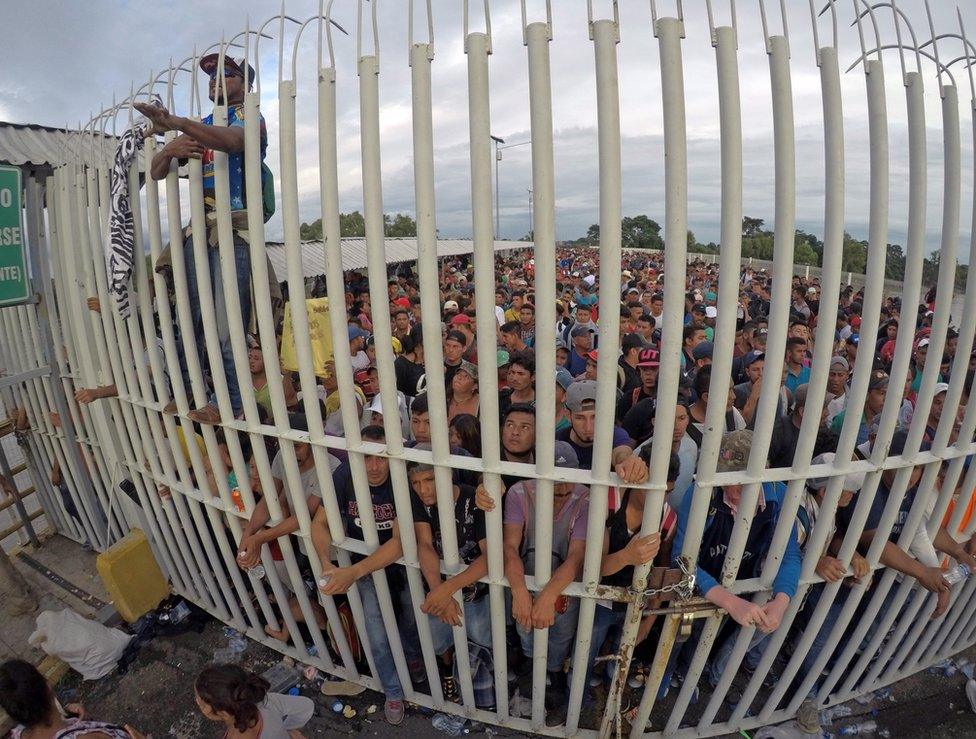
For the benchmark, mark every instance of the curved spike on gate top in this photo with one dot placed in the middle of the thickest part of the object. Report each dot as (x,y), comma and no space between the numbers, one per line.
(430,32)
(712,31)
(464,24)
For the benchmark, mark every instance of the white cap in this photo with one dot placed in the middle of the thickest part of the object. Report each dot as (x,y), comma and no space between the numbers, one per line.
(711,311)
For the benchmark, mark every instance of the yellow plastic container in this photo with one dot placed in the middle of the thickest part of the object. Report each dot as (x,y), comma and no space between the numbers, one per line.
(131,576)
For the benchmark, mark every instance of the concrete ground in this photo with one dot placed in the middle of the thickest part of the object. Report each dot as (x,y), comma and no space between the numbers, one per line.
(156,693)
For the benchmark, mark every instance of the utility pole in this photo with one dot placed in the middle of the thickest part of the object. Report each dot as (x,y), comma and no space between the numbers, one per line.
(498,157)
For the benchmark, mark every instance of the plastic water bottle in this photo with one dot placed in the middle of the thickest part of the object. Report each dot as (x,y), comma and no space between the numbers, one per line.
(966,667)
(258,571)
(957,574)
(828,715)
(237,644)
(450,725)
(865,727)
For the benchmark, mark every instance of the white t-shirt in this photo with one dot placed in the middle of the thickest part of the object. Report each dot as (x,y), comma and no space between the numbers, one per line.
(281,713)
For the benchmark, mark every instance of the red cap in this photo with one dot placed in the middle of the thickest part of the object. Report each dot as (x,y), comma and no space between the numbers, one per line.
(460,318)
(593,355)
(402,302)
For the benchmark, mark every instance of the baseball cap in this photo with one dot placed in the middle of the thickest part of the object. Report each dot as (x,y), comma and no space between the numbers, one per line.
(921,343)
(357,333)
(402,302)
(563,378)
(703,351)
(649,358)
(469,369)
(456,336)
(626,273)
(461,318)
(940,387)
(879,378)
(502,358)
(841,363)
(711,311)
(733,452)
(594,355)
(565,455)
(451,305)
(580,392)
(580,331)
(751,357)
(698,307)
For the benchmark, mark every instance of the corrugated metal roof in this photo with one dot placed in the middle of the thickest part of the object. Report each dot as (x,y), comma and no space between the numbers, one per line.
(354,253)
(33,145)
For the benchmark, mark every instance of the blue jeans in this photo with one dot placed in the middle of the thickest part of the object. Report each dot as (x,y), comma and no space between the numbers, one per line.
(242,262)
(716,666)
(477,624)
(605,621)
(379,641)
(561,635)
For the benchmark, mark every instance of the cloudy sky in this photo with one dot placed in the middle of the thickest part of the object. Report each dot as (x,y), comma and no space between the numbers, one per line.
(66,59)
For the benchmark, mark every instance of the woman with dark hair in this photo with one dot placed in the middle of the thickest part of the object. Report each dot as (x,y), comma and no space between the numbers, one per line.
(466,433)
(238,699)
(28,700)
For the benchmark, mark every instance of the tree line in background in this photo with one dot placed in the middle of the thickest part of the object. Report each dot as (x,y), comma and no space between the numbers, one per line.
(643,232)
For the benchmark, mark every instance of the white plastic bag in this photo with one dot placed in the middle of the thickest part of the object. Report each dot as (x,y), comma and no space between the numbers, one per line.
(89,647)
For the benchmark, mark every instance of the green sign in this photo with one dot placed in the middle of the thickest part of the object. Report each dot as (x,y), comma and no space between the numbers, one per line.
(14,283)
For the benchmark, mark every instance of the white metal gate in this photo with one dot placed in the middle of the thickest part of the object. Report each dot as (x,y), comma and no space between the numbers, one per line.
(195,533)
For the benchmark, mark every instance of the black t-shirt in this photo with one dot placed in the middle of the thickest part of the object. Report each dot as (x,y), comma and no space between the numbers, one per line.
(449,371)
(384,511)
(408,376)
(637,420)
(877,509)
(469,521)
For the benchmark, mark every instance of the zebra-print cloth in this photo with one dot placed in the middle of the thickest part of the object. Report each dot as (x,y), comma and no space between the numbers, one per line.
(121,228)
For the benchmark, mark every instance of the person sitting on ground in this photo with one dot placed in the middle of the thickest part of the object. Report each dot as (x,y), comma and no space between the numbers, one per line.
(29,700)
(242,702)
(440,605)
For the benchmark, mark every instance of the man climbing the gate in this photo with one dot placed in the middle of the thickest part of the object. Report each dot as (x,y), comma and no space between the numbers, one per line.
(199,140)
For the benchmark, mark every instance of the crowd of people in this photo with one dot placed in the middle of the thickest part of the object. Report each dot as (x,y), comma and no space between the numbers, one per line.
(460,598)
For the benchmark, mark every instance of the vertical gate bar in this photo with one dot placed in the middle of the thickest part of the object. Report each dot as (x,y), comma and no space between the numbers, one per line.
(830,288)
(767,409)
(477,47)
(329,202)
(669,32)
(605,35)
(377,273)
(329,194)
(420,58)
(368,69)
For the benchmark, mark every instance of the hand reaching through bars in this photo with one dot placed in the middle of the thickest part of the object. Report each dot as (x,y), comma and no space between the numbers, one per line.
(483,499)
(746,613)
(249,552)
(184,147)
(932,580)
(642,549)
(860,567)
(440,603)
(340,580)
(522,608)
(830,568)
(774,610)
(543,611)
